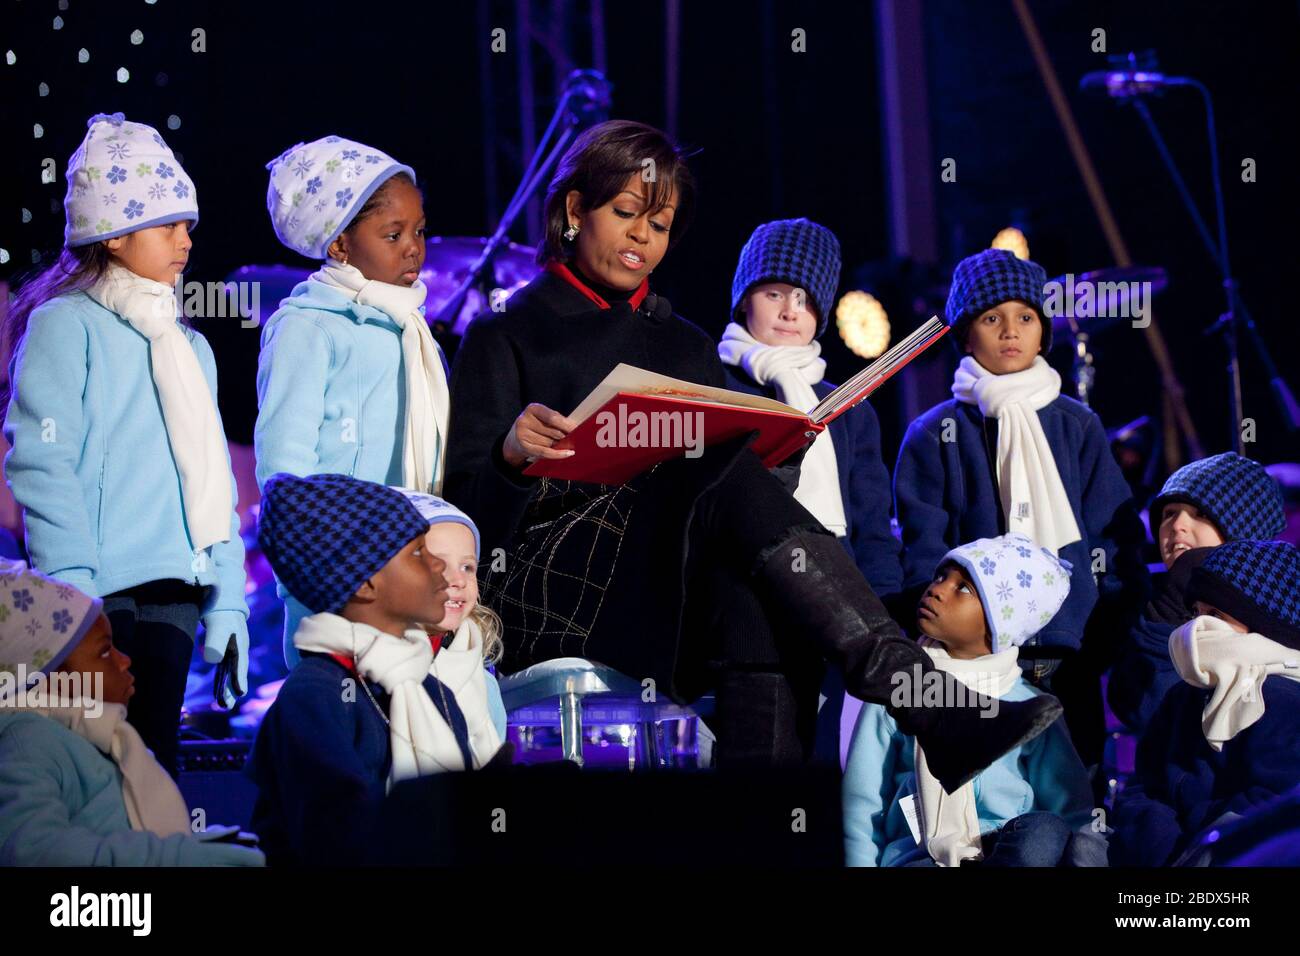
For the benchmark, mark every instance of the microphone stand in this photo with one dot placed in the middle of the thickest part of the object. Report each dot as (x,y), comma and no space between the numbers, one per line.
(586,99)
(1237,318)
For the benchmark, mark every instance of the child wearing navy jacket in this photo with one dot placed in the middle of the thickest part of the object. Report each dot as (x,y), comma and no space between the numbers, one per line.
(1226,739)
(1203,504)
(1010,453)
(372,701)
(781,297)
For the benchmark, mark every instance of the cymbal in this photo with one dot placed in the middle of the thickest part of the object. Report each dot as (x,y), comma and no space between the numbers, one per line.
(1117,293)
(447,261)
(455,255)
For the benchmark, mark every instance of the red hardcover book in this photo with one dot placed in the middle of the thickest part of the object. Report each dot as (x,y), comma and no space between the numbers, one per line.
(635,419)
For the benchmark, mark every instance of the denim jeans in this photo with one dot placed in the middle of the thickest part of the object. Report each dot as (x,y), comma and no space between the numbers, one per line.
(1031,839)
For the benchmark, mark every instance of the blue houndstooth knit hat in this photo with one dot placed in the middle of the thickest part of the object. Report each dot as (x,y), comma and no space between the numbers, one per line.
(1258,583)
(1236,493)
(797,251)
(326,534)
(990,278)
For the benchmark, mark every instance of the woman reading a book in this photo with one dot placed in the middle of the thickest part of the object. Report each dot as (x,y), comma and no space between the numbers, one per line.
(638,576)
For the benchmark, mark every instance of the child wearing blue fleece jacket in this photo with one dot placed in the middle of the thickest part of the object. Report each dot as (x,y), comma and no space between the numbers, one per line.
(1031,807)
(1226,739)
(78,787)
(1009,452)
(119,460)
(384,692)
(1203,504)
(781,297)
(350,380)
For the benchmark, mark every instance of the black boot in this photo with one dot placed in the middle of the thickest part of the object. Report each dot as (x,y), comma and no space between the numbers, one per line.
(813,579)
(757,721)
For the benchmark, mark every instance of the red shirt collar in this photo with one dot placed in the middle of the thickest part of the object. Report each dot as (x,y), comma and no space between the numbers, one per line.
(563,271)
(351,665)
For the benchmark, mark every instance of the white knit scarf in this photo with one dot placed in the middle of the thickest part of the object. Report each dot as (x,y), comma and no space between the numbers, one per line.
(428,402)
(1208,653)
(794,370)
(949,822)
(460,666)
(1033,498)
(152,799)
(189,413)
(421,740)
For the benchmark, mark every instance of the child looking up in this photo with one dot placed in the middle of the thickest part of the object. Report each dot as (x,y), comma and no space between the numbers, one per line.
(469,634)
(1226,739)
(1203,504)
(78,786)
(1032,806)
(368,704)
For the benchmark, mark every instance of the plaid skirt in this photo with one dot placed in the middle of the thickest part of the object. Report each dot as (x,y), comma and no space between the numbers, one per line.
(599,571)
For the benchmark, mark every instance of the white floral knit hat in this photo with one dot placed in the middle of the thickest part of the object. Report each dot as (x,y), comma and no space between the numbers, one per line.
(318,187)
(41,619)
(123,177)
(1021,584)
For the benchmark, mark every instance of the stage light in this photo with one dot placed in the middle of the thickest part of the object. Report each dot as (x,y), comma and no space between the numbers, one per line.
(173,122)
(83,55)
(1012,240)
(862,324)
(123,74)
(43,89)
(136,37)
(10,58)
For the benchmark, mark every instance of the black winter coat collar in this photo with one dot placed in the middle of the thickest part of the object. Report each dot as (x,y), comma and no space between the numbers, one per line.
(551,293)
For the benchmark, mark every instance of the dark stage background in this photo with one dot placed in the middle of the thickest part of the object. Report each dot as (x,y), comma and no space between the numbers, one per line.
(780,134)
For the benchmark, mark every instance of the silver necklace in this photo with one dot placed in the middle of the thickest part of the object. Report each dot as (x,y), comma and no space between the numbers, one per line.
(442,692)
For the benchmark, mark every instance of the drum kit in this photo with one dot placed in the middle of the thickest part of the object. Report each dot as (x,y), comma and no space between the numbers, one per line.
(1127,294)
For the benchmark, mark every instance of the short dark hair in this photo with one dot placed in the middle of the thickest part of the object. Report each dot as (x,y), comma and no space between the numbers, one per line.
(599,163)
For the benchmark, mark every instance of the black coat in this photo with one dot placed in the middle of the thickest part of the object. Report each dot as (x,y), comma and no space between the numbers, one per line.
(321,763)
(1181,786)
(1143,673)
(582,570)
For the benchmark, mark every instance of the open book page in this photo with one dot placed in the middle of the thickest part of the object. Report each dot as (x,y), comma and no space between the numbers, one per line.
(637,381)
(870,378)
(630,380)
